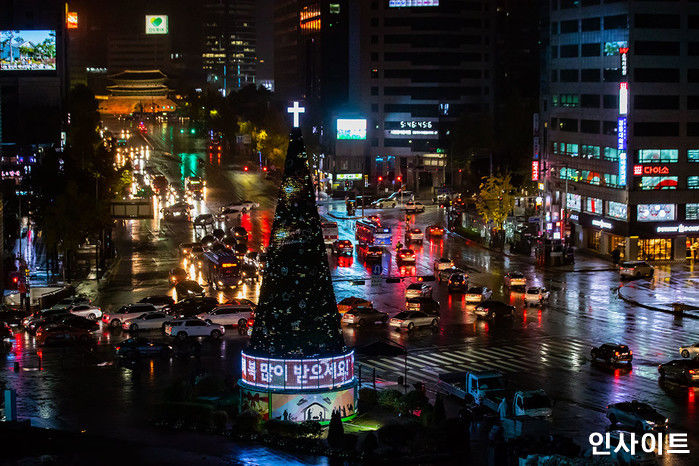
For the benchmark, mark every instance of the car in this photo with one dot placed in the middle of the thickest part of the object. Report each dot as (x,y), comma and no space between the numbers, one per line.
(402,195)
(414,207)
(415,290)
(536,295)
(409,320)
(203,220)
(207,241)
(423,304)
(383,203)
(685,370)
(219,234)
(342,247)
(414,235)
(434,230)
(67,303)
(641,416)
(444,274)
(477,294)
(244,206)
(612,353)
(442,264)
(458,282)
(229,314)
(176,213)
(158,300)
(33,321)
(228,214)
(177,275)
(61,333)
(187,288)
(189,307)
(6,337)
(135,347)
(690,351)
(515,280)
(347,304)
(374,219)
(240,234)
(77,321)
(364,315)
(370,253)
(87,310)
(183,328)
(636,269)
(129,311)
(147,321)
(405,255)
(185,249)
(494,310)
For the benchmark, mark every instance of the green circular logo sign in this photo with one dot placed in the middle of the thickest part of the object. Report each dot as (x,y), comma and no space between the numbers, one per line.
(157,21)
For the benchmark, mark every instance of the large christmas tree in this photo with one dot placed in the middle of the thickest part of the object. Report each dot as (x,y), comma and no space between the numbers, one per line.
(297,313)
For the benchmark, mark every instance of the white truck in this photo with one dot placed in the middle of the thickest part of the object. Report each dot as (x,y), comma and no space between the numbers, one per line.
(486,388)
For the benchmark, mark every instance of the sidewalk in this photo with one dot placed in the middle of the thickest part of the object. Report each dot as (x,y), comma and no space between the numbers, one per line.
(676,294)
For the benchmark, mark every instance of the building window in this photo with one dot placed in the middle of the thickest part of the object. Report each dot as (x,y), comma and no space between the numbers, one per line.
(691,212)
(610,128)
(568,124)
(569,76)
(590,152)
(573,202)
(591,177)
(655,249)
(571,150)
(590,24)
(657,75)
(610,101)
(569,51)
(590,50)
(594,240)
(611,181)
(589,75)
(655,212)
(611,154)
(657,156)
(612,75)
(617,210)
(374,90)
(656,102)
(657,21)
(589,100)
(693,182)
(566,100)
(589,126)
(593,205)
(569,26)
(693,155)
(656,129)
(649,183)
(617,242)
(615,22)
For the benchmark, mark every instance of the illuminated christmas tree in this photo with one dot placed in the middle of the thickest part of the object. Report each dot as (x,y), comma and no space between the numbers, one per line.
(297,312)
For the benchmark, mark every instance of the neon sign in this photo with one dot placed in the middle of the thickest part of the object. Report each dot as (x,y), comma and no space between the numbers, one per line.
(598,222)
(639,170)
(535,170)
(309,374)
(623,98)
(621,146)
(681,228)
(624,53)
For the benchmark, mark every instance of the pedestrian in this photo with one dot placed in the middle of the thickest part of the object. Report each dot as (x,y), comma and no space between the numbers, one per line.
(616,255)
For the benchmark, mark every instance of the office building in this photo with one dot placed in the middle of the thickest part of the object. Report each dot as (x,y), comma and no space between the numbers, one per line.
(228,46)
(138,51)
(620,111)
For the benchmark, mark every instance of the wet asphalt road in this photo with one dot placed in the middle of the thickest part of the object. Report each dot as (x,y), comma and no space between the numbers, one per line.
(544,347)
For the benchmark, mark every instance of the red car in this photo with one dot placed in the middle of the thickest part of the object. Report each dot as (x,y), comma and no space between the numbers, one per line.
(343,247)
(405,255)
(434,230)
(61,334)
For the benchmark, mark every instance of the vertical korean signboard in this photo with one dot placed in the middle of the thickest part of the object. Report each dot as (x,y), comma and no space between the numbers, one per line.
(622,126)
(536,148)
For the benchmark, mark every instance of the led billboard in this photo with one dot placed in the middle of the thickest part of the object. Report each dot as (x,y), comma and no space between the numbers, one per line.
(351,128)
(28,50)
(313,406)
(156,24)
(298,374)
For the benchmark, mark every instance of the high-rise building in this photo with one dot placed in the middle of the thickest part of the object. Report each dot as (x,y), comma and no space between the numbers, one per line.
(621,120)
(423,64)
(228,47)
(138,51)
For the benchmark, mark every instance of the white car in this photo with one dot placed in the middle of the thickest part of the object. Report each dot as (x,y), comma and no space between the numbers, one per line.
(515,280)
(228,314)
(477,294)
(536,295)
(149,321)
(88,311)
(636,269)
(442,264)
(228,214)
(183,328)
(414,207)
(410,319)
(414,235)
(417,290)
(640,416)
(68,303)
(690,351)
(244,206)
(114,319)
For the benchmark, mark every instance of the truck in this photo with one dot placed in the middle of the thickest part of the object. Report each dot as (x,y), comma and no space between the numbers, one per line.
(484,388)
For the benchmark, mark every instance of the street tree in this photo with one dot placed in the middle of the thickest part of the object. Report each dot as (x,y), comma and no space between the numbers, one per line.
(495,199)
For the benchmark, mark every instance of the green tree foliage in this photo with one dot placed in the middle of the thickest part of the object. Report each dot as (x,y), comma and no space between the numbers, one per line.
(495,199)
(336,432)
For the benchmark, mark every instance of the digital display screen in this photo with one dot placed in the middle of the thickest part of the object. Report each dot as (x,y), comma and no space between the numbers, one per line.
(28,50)
(308,374)
(411,3)
(351,128)
(313,406)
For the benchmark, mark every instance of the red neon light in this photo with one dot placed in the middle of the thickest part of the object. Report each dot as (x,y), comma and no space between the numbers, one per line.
(638,169)
(651,170)
(623,50)
(535,170)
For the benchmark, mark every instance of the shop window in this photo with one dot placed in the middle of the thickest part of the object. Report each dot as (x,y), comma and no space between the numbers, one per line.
(655,249)
(657,156)
(574,202)
(693,155)
(593,205)
(691,212)
(611,154)
(572,150)
(591,177)
(693,182)
(617,242)
(617,210)
(589,152)
(693,247)
(656,212)
(593,240)
(649,183)
(611,181)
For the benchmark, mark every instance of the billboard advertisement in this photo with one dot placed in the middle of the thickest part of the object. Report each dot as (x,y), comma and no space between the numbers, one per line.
(72,20)
(313,406)
(351,128)
(255,401)
(28,50)
(156,24)
(310,374)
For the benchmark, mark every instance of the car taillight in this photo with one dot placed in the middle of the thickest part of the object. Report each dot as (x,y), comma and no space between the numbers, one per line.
(616,353)
(118,348)
(630,353)
(692,371)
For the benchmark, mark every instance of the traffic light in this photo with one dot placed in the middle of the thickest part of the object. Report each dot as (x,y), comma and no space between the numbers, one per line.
(264,169)
(192,131)
(245,168)
(399,179)
(380,179)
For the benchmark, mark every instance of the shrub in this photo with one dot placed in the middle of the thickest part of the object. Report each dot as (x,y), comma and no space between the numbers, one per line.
(396,435)
(414,400)
(389,399)
(311,429)
(368,399)
(282,428)
(370,444)
(179,390)
(349,442)
(440,413)
(247,422)
(335,431)
(209,385)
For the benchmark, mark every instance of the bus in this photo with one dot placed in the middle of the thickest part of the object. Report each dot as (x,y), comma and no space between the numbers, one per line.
(371,233)
(330,232)
(221,269)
